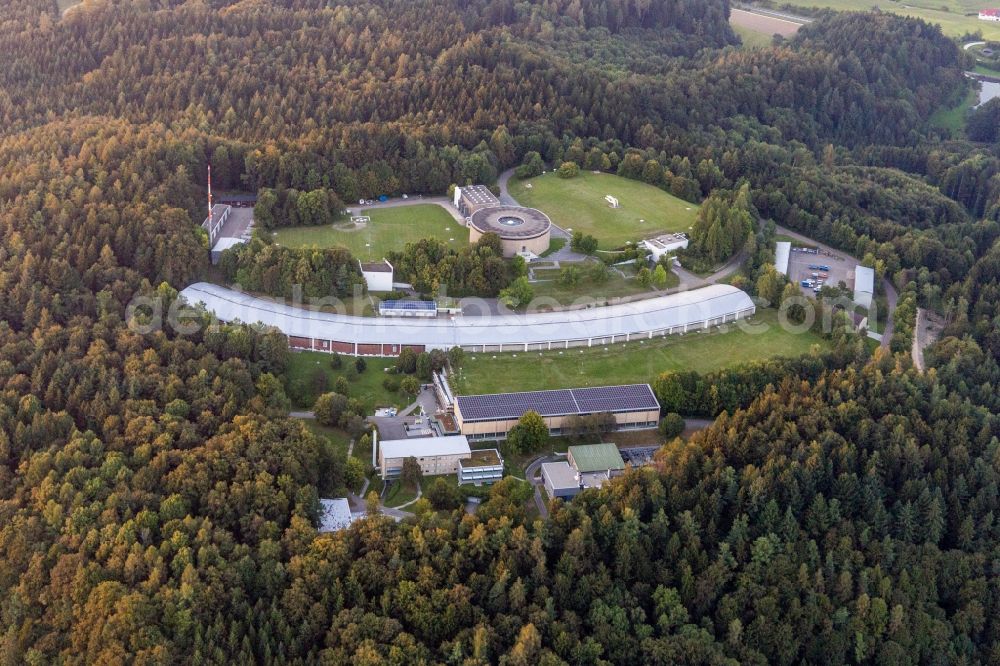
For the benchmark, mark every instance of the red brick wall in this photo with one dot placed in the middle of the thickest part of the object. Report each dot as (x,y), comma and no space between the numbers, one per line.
(342,347)
(369,350)
(299,343)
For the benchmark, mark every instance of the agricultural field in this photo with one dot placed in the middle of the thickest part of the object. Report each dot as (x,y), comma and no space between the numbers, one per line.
(390,229)
(756,30)
(635,362)
(956,17)
(577,204)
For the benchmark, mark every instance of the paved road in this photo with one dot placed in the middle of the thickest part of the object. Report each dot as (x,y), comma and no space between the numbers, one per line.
(302,415)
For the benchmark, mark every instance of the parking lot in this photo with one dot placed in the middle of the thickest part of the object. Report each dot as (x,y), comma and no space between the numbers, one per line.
(808,264)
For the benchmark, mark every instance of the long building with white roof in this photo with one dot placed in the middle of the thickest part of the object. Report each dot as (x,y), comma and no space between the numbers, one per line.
(366,336)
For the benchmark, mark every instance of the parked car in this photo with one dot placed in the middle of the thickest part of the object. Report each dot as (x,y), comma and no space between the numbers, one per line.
(824,268)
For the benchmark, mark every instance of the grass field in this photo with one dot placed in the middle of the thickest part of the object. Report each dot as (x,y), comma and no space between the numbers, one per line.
(578,204)
(366,387)
(630,363)
(954,22)
(390,229)
(953,117)
(751,38)
(587,291)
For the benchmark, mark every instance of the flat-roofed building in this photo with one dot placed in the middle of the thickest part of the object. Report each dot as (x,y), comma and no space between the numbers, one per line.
(560,480)
(666,244)
(422,309)
(435,455)
(632,407)
(864,285)
(482,466)
(782,254)
(471,198)
(377,275)
(334,514)
(595,463)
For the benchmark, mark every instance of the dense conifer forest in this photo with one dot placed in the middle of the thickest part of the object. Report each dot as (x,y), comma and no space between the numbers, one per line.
(157,506)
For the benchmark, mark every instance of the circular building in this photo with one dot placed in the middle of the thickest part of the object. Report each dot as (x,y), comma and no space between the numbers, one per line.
(522,230)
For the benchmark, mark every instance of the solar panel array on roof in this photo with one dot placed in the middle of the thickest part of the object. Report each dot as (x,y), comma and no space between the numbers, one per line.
(632,397)
(407,305)
(560,402)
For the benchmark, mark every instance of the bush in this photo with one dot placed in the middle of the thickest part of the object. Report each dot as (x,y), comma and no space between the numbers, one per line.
(360,365)
(409,385)
(336,361)
(568,170)
(583,243)
(671,425)
(391,383)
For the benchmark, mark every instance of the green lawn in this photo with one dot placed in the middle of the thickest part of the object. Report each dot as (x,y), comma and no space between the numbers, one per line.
(630,363)
(390,229)
(399,494)
(952,117)
(366,387)
(750,37)
(578,204)
(586,290)
(954,22)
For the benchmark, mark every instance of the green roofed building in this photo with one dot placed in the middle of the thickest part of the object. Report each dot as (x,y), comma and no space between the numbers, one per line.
(596,458)
(596,463)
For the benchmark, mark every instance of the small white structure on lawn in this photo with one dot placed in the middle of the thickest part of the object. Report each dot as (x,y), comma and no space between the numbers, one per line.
(612,201)
(666,244)
(334,514)
(864,285)
(377,275)
(782,253)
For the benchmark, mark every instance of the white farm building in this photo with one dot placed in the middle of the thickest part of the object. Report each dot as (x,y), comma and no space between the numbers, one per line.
(693,310)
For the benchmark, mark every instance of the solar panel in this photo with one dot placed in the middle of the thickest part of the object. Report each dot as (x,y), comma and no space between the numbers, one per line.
(632,397)
(407,305)
(560,402)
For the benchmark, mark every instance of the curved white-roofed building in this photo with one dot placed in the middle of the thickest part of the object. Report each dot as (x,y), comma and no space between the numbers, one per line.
(366,336)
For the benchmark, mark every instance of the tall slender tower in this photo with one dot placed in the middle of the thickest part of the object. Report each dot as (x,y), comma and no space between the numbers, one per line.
(209,192)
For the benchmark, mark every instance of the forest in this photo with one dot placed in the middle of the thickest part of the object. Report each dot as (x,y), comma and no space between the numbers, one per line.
(158,506)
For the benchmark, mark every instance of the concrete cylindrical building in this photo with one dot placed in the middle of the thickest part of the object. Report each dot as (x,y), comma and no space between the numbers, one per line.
(522,230)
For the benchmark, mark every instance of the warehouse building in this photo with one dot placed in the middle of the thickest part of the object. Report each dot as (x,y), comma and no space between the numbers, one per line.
(694,310)
(782,255)
(435,455)
(632,407)
(472,198)
(864,286)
